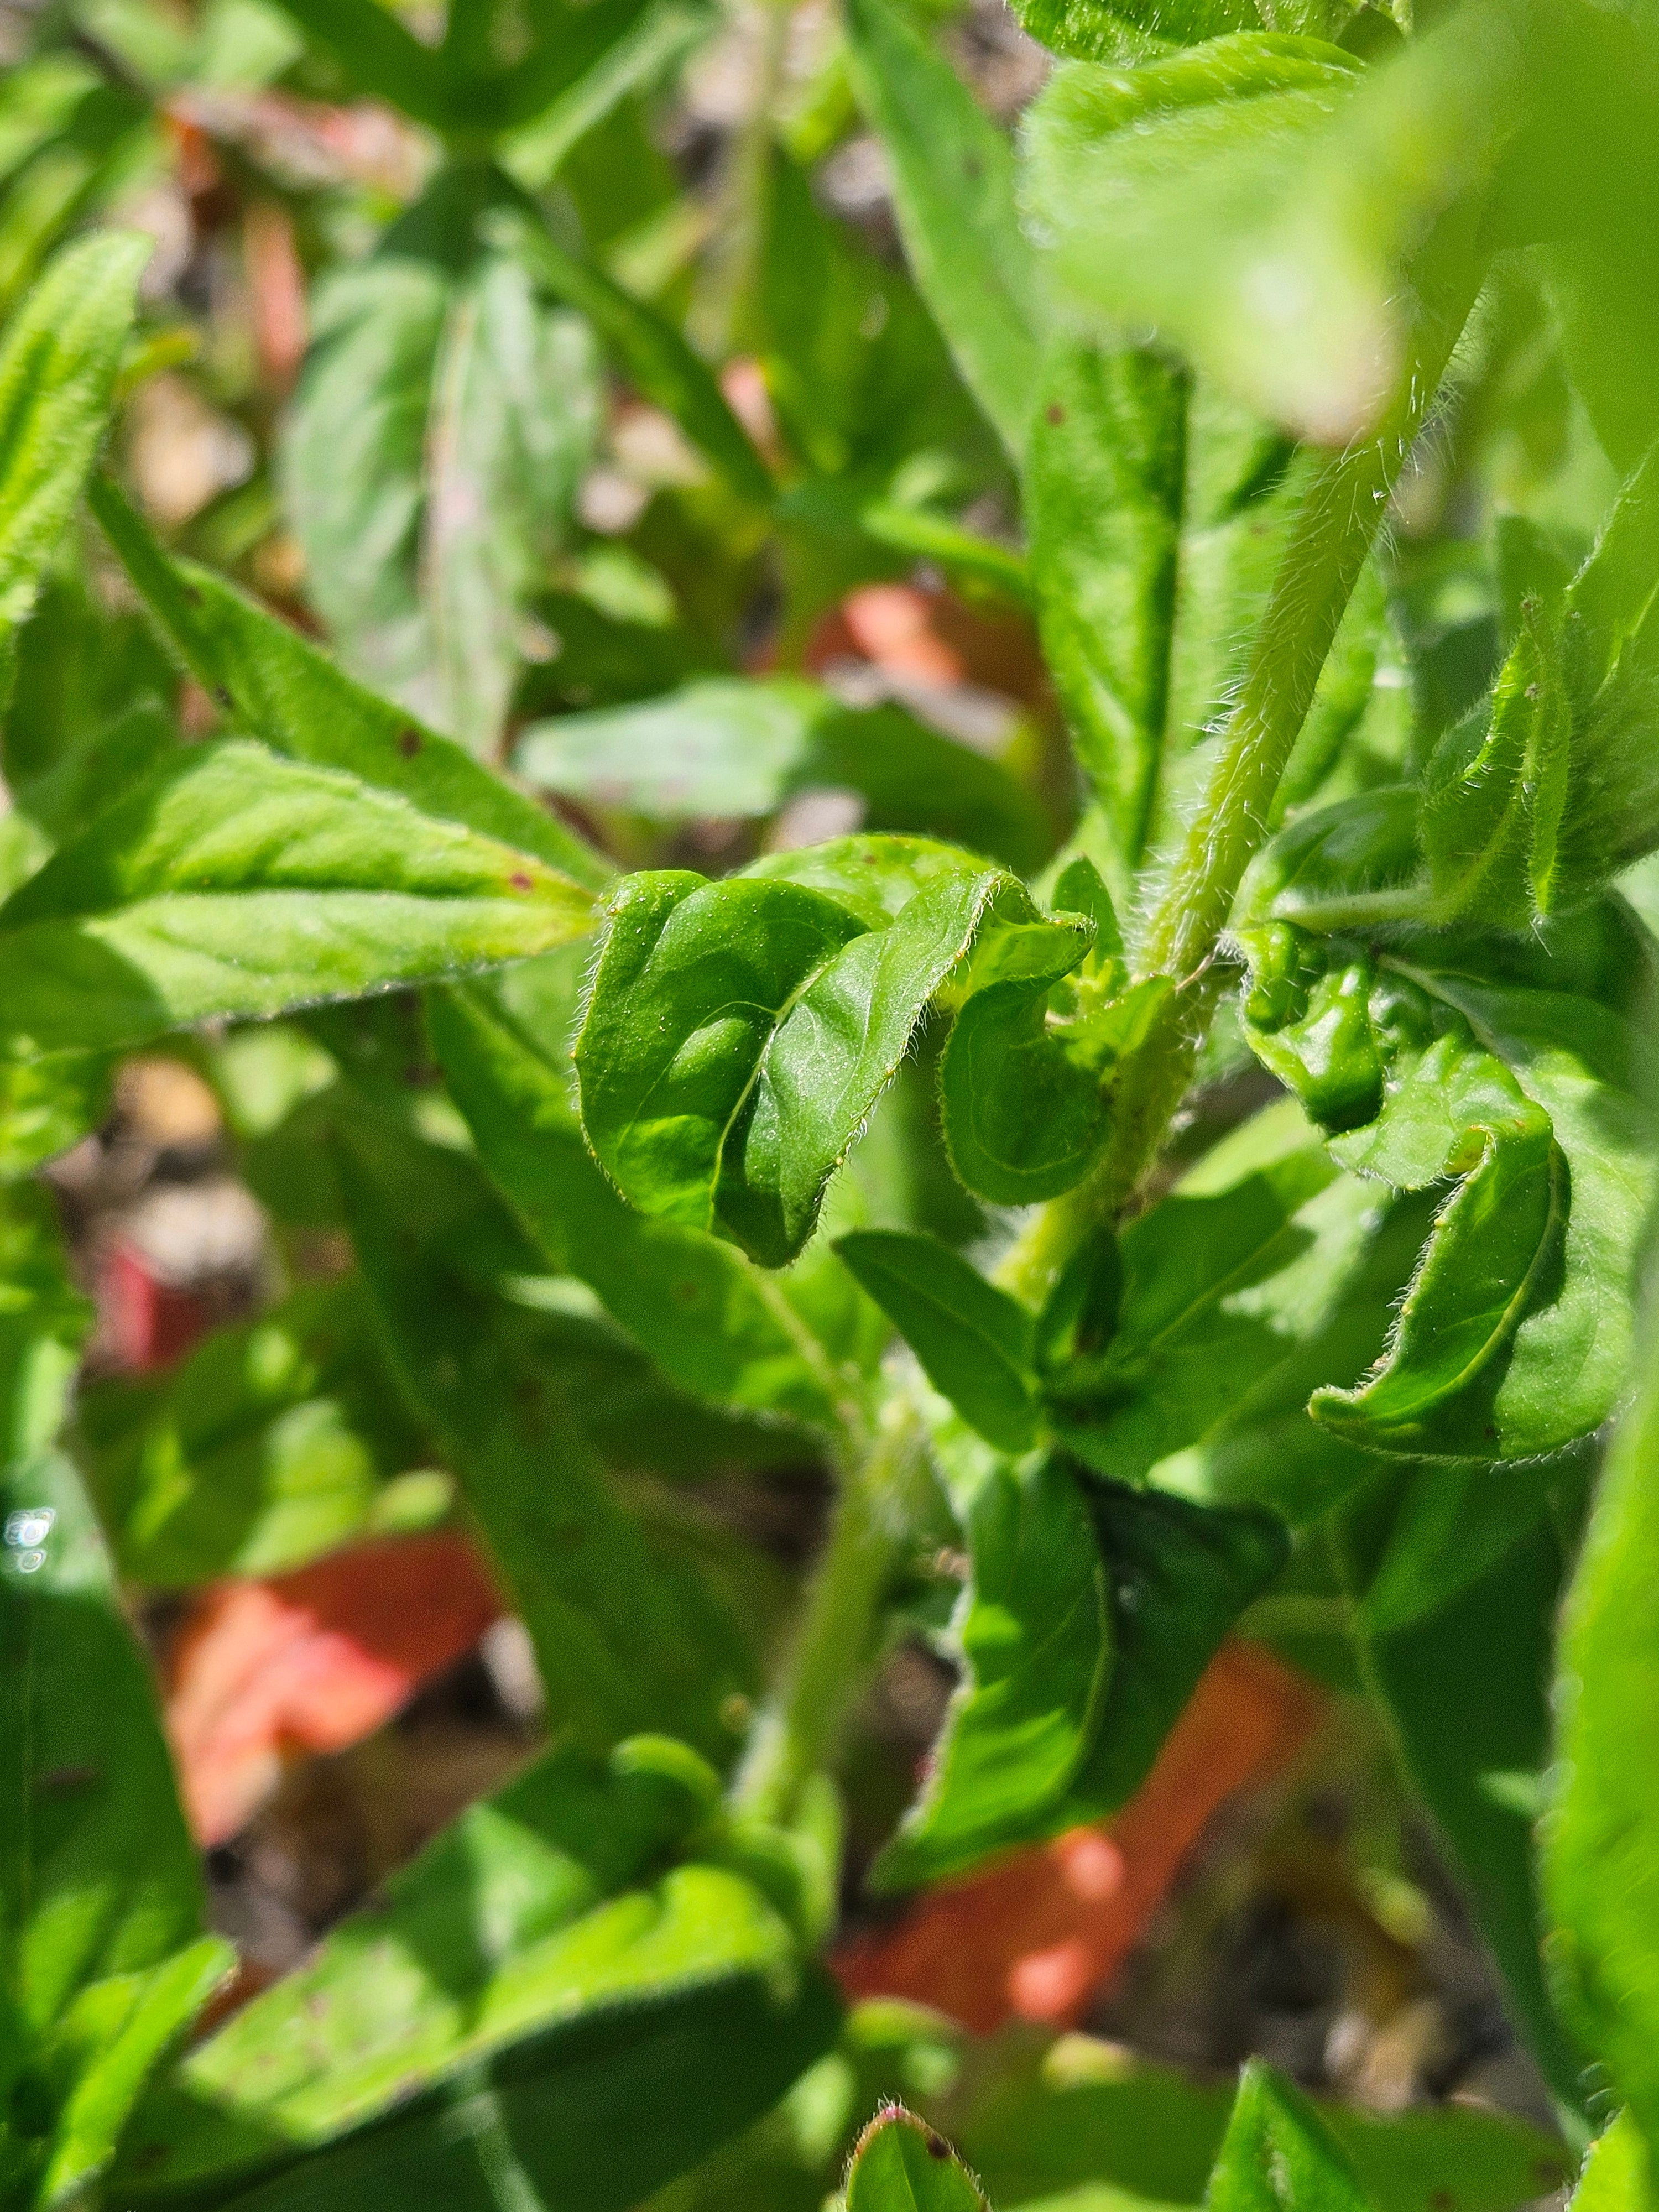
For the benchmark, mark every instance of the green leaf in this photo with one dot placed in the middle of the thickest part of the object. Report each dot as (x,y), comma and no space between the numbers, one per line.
(1599,1864)
(379,55)
(1617,2175)
(901,2165)
(1073,2121)
(442,420)
(1514,1338)
(100,1894)
(514,414)
(232,882)
(1278,2155)
(47,1105)
(58,368)
(1034,1635)
(624,1640)
(739,1034)
(1129,30)
(562,1937)
(973,1341)
(281,688)
(269,1447)
(659,362)
(1177,1577)
(1221,1283)
(1546,789)
(713,1322)
(1092,1611)
(640,46)
(953,194)
(725,748)
(1465,1688)
(1157,512)
(1263,202)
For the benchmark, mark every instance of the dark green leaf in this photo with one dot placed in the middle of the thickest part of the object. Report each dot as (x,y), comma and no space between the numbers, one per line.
(562,1933)
(57,366)
(232,882)
(1035,1639)
(973,1341)
(1177,1577)
(624,1640)
(281,688)
(901,2165)
(1278,2155)
(954,195)
(379,55)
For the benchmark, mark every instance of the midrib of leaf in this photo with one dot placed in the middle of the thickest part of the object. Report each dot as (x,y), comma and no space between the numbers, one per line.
(1227,1283)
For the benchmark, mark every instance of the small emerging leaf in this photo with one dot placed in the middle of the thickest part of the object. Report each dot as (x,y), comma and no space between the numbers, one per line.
(901,2165)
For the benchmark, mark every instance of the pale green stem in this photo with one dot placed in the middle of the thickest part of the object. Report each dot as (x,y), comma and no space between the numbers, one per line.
(1335,530)
(803,1721)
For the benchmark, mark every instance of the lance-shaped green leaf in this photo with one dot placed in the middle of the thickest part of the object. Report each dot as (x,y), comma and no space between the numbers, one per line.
(954,195)
(433,449)
(1033,1640)
(1278,2155)
(1515,1337)
(714,1323)
(57,366)
(901,2165)
(625,1640)
(232,882)
(659,362)
(102,1964)
(974,1342)
(1599,1860)
(281,688)
(593,1917)
(1547,788)
(1466,1690)
(1158,511)
(726,748)
(739,1034)
(1262,201)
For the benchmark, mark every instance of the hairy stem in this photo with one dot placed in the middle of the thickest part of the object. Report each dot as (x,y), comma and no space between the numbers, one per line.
(1339,518)
(803,1720)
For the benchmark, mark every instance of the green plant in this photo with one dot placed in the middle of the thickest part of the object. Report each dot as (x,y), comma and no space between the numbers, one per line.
(1197,1172)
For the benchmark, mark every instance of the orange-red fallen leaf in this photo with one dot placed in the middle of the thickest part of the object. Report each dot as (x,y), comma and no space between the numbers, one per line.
(260,1673)
(277,288)
(1035,1936)
(926,633)
(143,1322)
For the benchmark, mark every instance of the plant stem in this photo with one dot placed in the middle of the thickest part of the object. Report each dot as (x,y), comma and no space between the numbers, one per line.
(803,1718)
(1334,531)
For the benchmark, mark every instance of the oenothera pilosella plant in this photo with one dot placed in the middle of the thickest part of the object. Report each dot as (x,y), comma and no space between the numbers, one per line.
(1296,1090)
